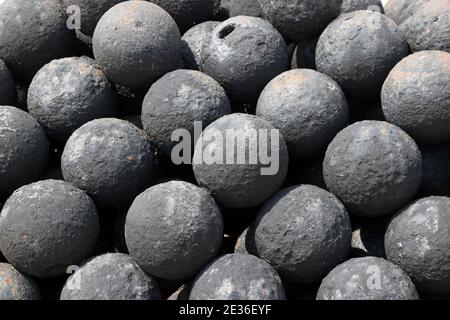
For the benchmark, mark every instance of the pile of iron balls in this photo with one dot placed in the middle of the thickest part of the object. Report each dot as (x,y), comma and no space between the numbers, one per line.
(216,150)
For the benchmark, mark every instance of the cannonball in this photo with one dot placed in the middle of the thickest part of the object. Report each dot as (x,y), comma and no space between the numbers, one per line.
(67,93)
(173,230)
(400,10)
(238,277)
(89,12)
(7,86)
(308,107)
(14,285)
(112,276)
(304,56)
(135,43)
(179,99)
(303,232)
(358,50)
(299,20)
(416,97)
(228,162)
(373,167)
(417,240)
(233,8)
(111,159)
(244,54)
(33,33)
(48,226)
(24,149)
(367,278)
(436,171)
(188,13)
(355,5)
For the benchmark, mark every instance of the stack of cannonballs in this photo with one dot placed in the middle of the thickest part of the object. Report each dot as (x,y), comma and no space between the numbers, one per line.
(207,149)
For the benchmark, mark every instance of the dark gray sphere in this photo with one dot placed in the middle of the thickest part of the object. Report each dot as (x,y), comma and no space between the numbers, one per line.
(14,285)
(304,232)
(179,99)
(112,276)
(188,13)
(367,278)
(416,97)
(194,42)
(436,171)
(246,242)
(67,93)
(173,230)
(47,226)
(238,277)
(358,50)
(7,86)
(428,28)
(304,56)
(355,5)
(233,8)
(90,12)
(24,150)
(417,240)
(135,43)
(237,183)
(309,108)
(111,159)
(299,20)
(244,54)
(373,167)
(400,10)
(33,33)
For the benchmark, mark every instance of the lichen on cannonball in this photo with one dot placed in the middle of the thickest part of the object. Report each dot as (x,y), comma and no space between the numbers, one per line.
(33,33)
(177,101)
(173,230)
(358,50)
(355,5)
(7,86)
(135,43)
(243,55)
(230,160)
(48,226)
(194,42)
(24,149)
(373,167)
(417,240)
(238,277)
(400,10)
(299,20)
(111,159)
(14,285)
(111,276)
(367,278)
(303,232)
(424,112)
(67,93)
(309,108)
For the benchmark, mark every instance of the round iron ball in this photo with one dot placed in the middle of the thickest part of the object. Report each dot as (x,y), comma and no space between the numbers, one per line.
(14,285)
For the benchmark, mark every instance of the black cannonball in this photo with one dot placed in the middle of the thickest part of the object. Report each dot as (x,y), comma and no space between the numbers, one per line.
(111,159)
(355,5)
(233,8)
(304,232)
(46,227)
(238,277)
(417,240)
(309,108)
(304,56)
(7,86)
(300,19)
(358,50)
(400,10)
(112,276)
(436,171)
(67,93)
(244,54)
(234,173)
(176,101)
(135,43)
(373,167)
(14,285)
(24,149)
(416,97)
(367,278)
(194,42)
(33,33)
(173,230)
